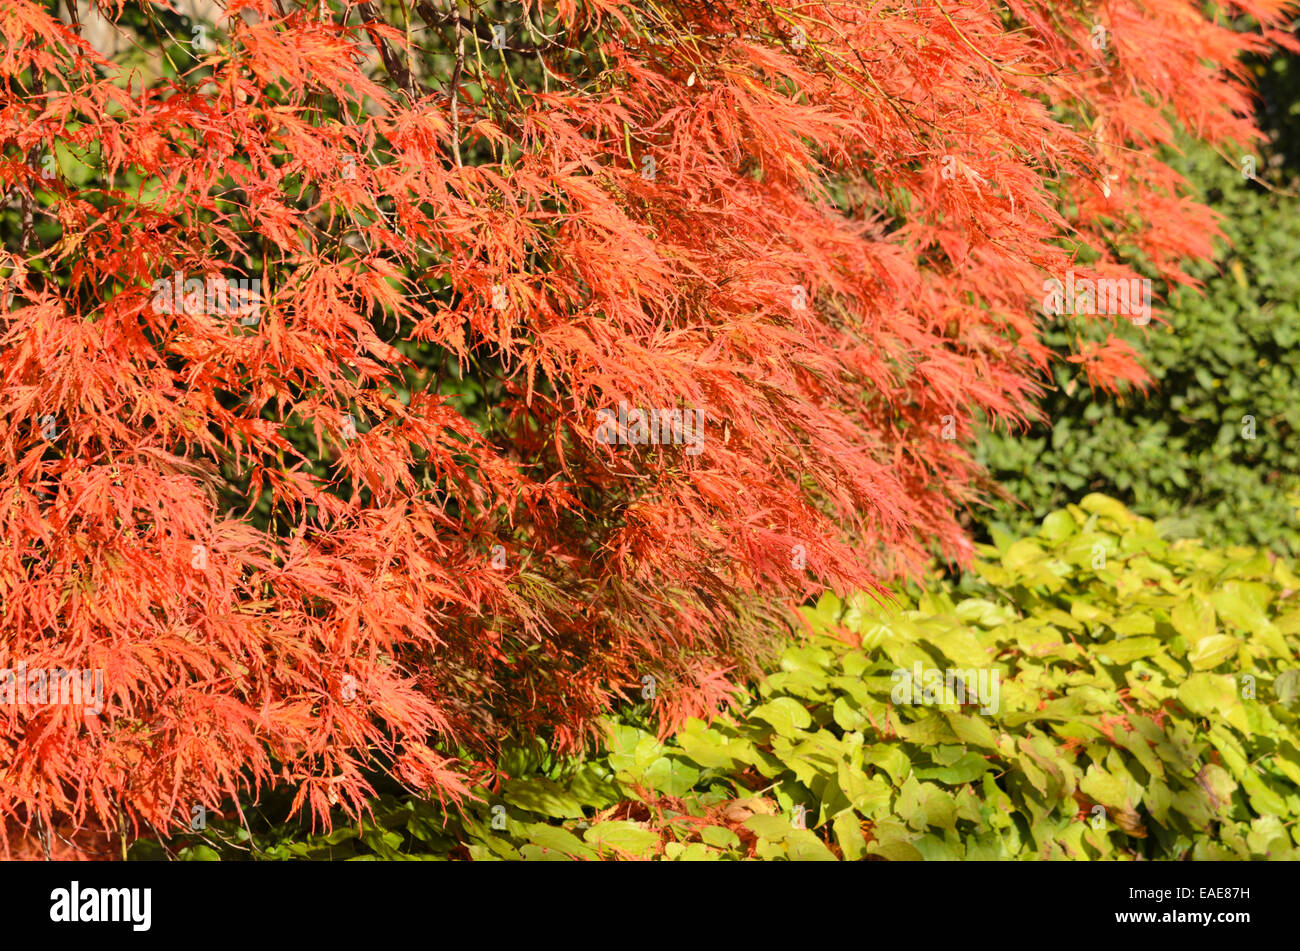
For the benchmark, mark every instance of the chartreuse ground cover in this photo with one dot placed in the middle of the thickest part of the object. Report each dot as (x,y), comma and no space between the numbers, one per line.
(1147,704)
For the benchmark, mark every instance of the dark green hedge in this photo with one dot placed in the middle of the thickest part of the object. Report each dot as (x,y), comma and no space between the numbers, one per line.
(1181,451)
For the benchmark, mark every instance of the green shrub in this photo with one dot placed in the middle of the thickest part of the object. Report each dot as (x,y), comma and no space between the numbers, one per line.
(1180,451)
(1156,680)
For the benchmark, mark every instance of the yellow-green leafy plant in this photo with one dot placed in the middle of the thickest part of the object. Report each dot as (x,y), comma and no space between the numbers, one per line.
(1131,696)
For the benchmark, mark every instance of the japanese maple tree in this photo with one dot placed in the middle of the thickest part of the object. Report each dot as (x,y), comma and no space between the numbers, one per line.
(311,312)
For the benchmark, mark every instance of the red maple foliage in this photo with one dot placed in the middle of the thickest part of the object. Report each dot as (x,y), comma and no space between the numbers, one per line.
(266,515)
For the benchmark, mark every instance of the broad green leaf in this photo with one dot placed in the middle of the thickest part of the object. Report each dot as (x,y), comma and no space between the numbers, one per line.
(1107,507)
(849,837)
(773,828)
(803,846)
(720,837)
(1263,797)
(965,770)
(847,718)
(1193,619)
(1102,787)
(1287,686)
(925,804)
(671,775)
(1210,652)
(620,837)
(1128,649)
(892,841)
(1021,555)
(889,758)
(199,853)
(590,789)
(930,730)
(786,715)
(538,853)
(555,839)
(1242,604)
(542,796)
(1058,526)
(711,749)
(935,849)
(1133,625)
(972,730)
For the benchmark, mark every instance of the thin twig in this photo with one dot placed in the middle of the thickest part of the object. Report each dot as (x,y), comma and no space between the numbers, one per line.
(455,91)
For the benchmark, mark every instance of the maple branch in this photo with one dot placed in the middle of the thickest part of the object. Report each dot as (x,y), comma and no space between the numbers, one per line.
(25,200)
(433,17)
(455,92)
(982,55)
(401,75)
